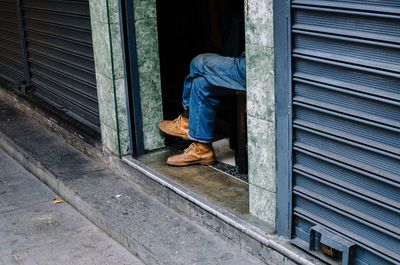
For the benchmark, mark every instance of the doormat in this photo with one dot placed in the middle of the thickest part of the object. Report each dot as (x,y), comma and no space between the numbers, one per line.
(230,170)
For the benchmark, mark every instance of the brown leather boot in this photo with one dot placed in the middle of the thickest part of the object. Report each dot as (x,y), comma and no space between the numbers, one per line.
(196,153)
(178,127)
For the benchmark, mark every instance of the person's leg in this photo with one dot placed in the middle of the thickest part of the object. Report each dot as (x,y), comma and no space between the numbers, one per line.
(207,72)
(201,98)
(217,70)
(202,104)
(204,101)
(220,71)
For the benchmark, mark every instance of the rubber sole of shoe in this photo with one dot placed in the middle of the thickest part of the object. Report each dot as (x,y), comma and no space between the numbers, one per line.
(202,162)
(184,137)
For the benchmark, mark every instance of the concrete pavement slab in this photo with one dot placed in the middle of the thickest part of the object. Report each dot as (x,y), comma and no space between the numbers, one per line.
(88,247)
(8,260)
(35,231)
(39,224)
(17,187)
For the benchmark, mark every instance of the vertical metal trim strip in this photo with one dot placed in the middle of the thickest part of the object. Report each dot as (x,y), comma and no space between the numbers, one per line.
(131,65)
(131,121)
(23,44)
(283,116)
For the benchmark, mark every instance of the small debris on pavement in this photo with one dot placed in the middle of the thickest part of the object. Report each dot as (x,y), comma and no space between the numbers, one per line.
(57,200)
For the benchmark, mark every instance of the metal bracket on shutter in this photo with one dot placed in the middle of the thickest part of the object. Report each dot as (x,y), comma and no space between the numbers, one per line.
(20,87)
(325,241)
(23,88)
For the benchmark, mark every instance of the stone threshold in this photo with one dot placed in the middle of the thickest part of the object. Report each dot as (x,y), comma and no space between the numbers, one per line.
(253,236)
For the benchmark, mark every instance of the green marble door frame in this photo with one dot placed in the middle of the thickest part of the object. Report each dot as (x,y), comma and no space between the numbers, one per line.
(113,97)
(145,14)
(111,76)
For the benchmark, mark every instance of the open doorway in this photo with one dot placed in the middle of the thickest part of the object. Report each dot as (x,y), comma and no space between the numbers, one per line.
(187,29)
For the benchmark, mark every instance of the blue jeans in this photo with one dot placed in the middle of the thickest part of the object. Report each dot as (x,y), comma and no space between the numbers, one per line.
(201,94)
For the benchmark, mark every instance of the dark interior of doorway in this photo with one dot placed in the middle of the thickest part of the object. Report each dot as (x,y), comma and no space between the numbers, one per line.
(186,29)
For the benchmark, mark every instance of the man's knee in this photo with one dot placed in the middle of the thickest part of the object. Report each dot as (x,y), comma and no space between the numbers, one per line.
(198,62)
(203,62)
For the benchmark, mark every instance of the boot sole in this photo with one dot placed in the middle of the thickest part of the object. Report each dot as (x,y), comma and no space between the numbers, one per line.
(184,137)
(203,162)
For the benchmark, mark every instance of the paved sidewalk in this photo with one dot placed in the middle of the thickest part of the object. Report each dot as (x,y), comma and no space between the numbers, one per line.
(35,231)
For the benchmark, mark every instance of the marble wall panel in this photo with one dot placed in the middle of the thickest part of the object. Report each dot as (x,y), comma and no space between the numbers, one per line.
(109,138)
(145,9)
(261,148)
(103,25)
(101,48)
(111,142)
(262,204)
(98,11)
(117,51)
(260,82)
(259,22)
(106,102)
(122,104)
(261,108)
(150,82)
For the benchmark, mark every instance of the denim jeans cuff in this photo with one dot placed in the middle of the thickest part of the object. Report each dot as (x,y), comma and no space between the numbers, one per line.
(200,140)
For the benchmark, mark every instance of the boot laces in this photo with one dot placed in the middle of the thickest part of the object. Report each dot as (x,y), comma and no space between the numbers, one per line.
(192,146)
(178,121)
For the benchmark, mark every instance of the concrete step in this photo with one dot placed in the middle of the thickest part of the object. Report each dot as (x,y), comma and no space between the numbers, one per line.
(146,227)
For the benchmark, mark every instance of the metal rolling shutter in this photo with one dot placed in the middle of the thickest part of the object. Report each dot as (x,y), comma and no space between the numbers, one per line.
(11,56)
(60,55)
(346,125)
